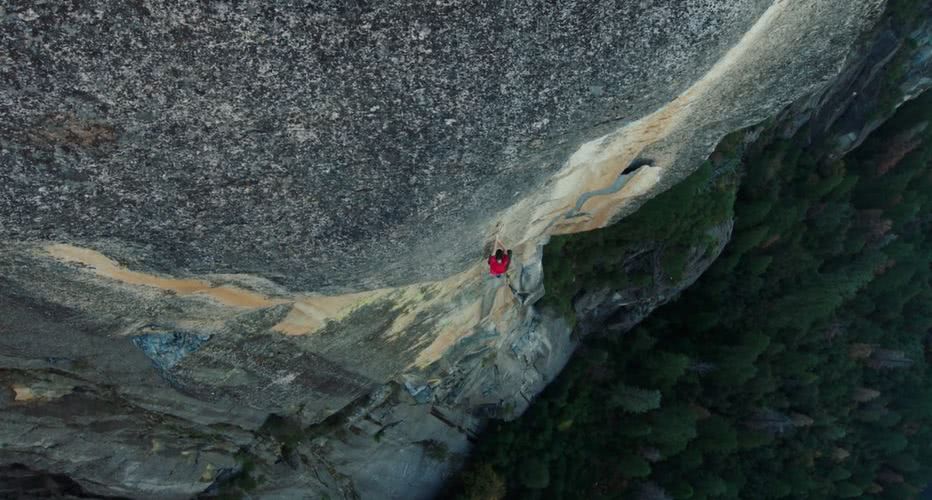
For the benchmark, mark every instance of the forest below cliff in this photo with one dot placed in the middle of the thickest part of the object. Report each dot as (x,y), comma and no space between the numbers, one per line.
(796,367)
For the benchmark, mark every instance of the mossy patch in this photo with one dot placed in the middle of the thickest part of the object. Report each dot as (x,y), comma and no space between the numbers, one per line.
(673,223)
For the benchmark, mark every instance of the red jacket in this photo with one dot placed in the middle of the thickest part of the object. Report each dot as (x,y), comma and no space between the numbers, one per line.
(495,267)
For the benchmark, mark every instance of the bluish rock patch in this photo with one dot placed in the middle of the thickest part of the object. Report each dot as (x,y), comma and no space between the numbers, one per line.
(166,350)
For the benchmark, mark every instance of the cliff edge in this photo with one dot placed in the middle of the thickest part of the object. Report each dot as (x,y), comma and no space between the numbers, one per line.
(242,246)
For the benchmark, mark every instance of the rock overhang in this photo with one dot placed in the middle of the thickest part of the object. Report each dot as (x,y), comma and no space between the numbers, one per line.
(320,146)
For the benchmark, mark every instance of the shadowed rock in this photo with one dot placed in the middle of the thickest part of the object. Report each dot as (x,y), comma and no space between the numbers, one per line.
(337,147)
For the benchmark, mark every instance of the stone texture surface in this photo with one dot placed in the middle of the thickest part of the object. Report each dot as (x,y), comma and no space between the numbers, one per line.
(237,160)
(611,311)
(853,106)
(320,144)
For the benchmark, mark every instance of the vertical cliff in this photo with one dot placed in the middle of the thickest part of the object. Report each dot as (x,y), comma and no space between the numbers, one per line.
(241,247)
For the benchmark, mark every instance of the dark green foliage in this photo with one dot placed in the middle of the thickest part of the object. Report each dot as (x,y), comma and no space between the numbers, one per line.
(436,450)
(794,368)
(678,425)
(244,481)
(481,482)
(717,435)
(904,463)
(534,473)
(633,466)
(681,490)
(905,16)
(662,369)
(711,485)
(634,400)
(758,264)
(673,224)
(635,429)
(749,239)
(286,431)
(673,262)
(839,474)
(847,490)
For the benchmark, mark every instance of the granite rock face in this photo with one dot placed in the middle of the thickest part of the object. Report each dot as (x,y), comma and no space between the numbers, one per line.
(179,188)
(890,65)
(610,311)
(324,145)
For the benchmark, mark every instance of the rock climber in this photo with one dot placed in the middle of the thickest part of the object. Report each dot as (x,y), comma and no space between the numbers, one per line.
(498,262)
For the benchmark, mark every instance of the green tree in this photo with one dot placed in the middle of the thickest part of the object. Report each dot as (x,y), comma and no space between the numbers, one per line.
(716,435)
(674,426)
(482,483)
(846,489)
(633,466)
(662,369)
(534,473)
(634,399)
(794,367)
